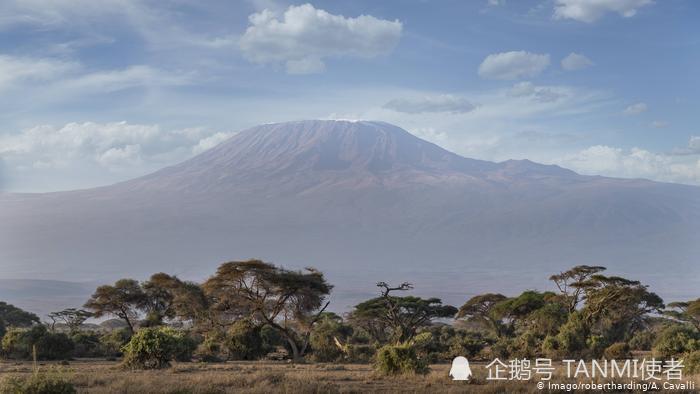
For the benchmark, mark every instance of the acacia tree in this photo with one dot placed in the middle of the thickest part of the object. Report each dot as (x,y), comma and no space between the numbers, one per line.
(71,317)
(403,316)
(191,303)
(288,301)
(11,316)
(482,309)
(159,296)
(618,306)
(124,299)
(531,309)
(568,283)
(687,312)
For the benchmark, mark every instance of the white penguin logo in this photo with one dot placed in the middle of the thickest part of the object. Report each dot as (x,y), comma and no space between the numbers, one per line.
(460,369)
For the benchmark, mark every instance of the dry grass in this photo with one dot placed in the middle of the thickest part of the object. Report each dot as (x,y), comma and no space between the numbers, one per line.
(93,376)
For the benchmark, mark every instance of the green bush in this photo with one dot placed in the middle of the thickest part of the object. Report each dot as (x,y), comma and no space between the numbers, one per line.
(527,345)
(153,348)
(360,353)
(14,345)
(322,340)
(675,340)
(596,346)
(39,383)
(642,340)
(185,347)
(463,343)
(617,351)
(572,337)
(19,344)
(399,360)
(244,341)
(87,344)
(211,348)
(427,346)
(551,347)
(691,361)
(503,348)
(112,342)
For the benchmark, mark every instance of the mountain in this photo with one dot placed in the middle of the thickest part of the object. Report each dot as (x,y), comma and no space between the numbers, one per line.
(363,201)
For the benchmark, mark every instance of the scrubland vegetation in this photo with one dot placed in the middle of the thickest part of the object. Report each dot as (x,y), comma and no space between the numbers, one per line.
(254,326)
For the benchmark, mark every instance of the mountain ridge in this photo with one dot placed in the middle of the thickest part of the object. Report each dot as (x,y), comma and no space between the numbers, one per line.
(361,201)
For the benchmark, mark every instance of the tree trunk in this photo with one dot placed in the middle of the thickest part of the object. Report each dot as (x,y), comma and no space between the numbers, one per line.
(128,323)
(296,354)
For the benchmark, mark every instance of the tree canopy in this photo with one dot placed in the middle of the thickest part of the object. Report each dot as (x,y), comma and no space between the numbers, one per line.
(11,316)
(124,299)
(287,300)
(402,315)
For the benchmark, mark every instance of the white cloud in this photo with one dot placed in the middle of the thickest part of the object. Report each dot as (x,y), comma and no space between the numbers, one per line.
(61,77)
(636,109)
(513,65)
(126,155)
(442,103)
(15,70)
(157,23)
(694,144)
(130,77)
(591,10)
(211,141)
(693,147)
(103,149)
(303,36)
(575,61)
(632,163)
(537,93)
(659,124)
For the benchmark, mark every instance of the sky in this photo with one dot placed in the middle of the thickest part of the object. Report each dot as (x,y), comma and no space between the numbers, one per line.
(95,92)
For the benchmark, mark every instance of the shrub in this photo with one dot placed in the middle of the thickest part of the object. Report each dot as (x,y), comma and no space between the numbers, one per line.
(185,347)
(360,353)
(87,344)
(691,361)
(399,360)
(503,348)
(54,346)
(19,344)
(323,338)
(675,340)
(617,351)
(113,342)
(464,343)
(527,345)
(642,340)
(13,344)
(551,347)
(37,383)
(572,337)
(596,346)
(211,348)
(152,348)
(244,342)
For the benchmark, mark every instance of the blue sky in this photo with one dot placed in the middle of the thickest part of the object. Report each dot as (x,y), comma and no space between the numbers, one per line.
(97,92)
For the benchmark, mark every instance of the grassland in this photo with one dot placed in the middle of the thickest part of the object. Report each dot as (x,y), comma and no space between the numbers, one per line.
(97,376)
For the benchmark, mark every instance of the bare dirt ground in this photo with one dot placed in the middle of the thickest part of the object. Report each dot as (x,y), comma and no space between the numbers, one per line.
(97,376)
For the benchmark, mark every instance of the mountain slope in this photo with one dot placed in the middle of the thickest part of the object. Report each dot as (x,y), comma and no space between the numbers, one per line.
(363,201)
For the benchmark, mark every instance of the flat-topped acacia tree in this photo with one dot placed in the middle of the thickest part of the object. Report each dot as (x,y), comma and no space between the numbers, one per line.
(288,301)
(402,316)
(124,299)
